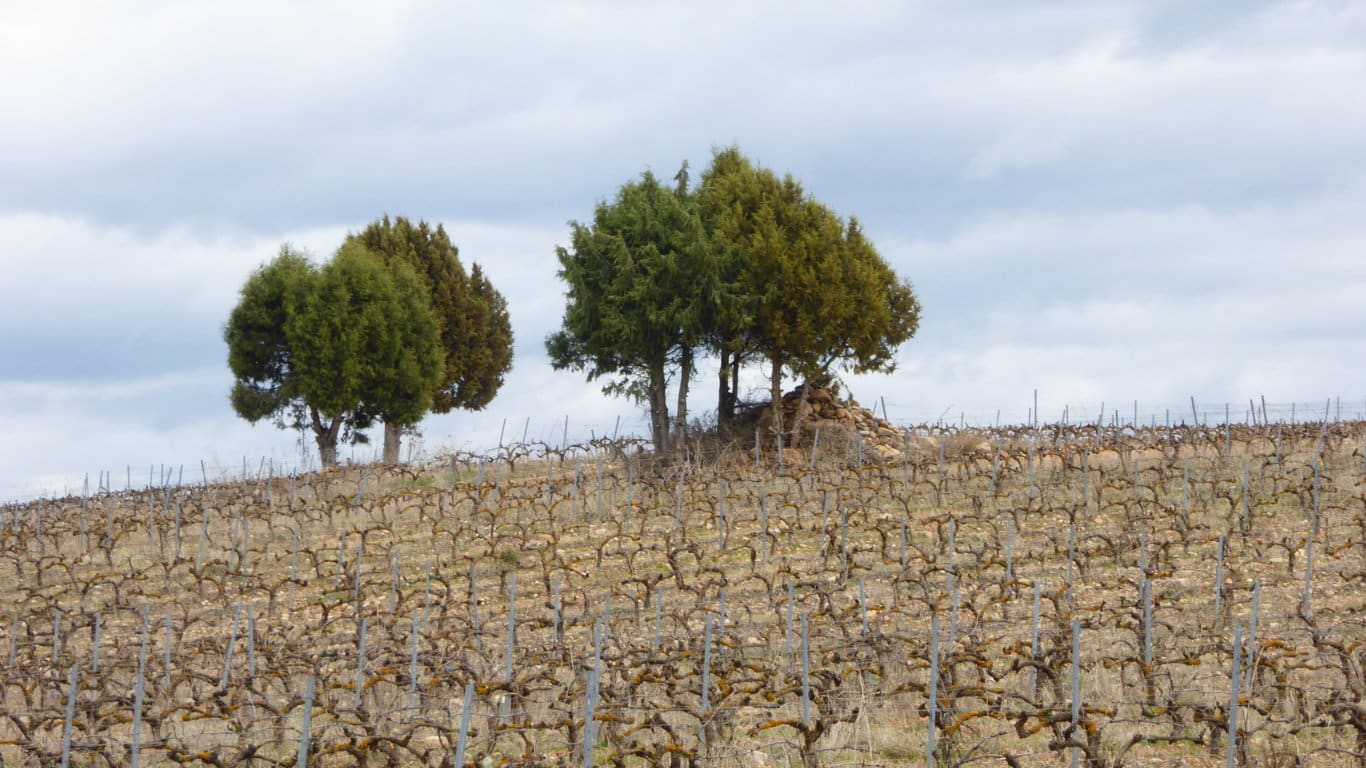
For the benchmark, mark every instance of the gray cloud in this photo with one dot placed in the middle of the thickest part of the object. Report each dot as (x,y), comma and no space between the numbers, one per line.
(1132,200)
(219,114)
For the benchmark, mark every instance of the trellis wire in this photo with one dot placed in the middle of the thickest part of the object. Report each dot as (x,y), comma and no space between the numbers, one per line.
(815,444)
(203,539)
(1033,642)
(844,539)
(512,626)
(166,662)
(659,616)
(953,615)
(251,641)
(721,527)
(227,655)
(474,609)
(95,643)
(1147,623)
(1010,549)
(788,630)
(1186,492)
(558,609)
(863,604)
(1218,578)
(903,542)
(1076,685)
(360,662)
(706,669)
(1252,632)
(412,666)
(763,527)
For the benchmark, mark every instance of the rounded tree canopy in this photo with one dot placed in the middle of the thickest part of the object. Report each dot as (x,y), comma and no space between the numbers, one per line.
(259,354)
(472,317)
(365,339)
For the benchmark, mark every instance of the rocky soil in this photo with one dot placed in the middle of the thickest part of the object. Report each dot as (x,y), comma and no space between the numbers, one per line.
(844,425)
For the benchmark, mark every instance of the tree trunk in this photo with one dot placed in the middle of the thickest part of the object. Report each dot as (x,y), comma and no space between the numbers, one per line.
(724,411)
(681,417)
(392,434)
(734,387)
(775,389)
(326,437)
(659,412)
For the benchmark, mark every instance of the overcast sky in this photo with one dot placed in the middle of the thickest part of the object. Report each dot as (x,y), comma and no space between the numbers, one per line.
(1107,201)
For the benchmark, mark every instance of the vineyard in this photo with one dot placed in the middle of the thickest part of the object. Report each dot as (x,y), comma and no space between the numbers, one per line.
(1094,595)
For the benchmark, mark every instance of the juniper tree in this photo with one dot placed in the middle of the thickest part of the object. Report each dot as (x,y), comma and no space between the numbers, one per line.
(476,334)
(259,355)
(327,348)
(639,279)
(367,343)
(812,292)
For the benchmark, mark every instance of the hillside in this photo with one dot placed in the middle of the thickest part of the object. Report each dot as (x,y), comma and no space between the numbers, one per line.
(1026,592)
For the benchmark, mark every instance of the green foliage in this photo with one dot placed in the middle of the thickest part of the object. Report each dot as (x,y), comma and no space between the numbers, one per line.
(811,291)
(334,346)
(889,312)
(476,333)
(639,281)
(366,337)
(485,342)
(259,355)
(815,291)
(748,264)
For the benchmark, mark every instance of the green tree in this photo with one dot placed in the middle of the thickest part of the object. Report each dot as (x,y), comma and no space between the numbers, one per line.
(475,331)
(260,357)
(366,343)
(639,279)
(721,200)
(812,291)
(332,348)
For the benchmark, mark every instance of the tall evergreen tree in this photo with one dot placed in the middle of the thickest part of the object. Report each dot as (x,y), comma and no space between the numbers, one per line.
(638,280)
(721,199)
(813,292)
(328,349)
(476,333)
(259,354)
(747,266)
(366,344)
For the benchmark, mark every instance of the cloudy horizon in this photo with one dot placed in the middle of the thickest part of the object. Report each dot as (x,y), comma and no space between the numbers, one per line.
(1104,201)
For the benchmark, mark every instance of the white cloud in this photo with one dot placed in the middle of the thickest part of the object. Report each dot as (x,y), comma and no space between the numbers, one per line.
(227,112)
(63,267)
(1015,151)
(1099,199)
(1180,250)
(1156,305)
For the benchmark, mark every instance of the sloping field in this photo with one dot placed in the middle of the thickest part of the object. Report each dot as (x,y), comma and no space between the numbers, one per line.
(1022,598)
